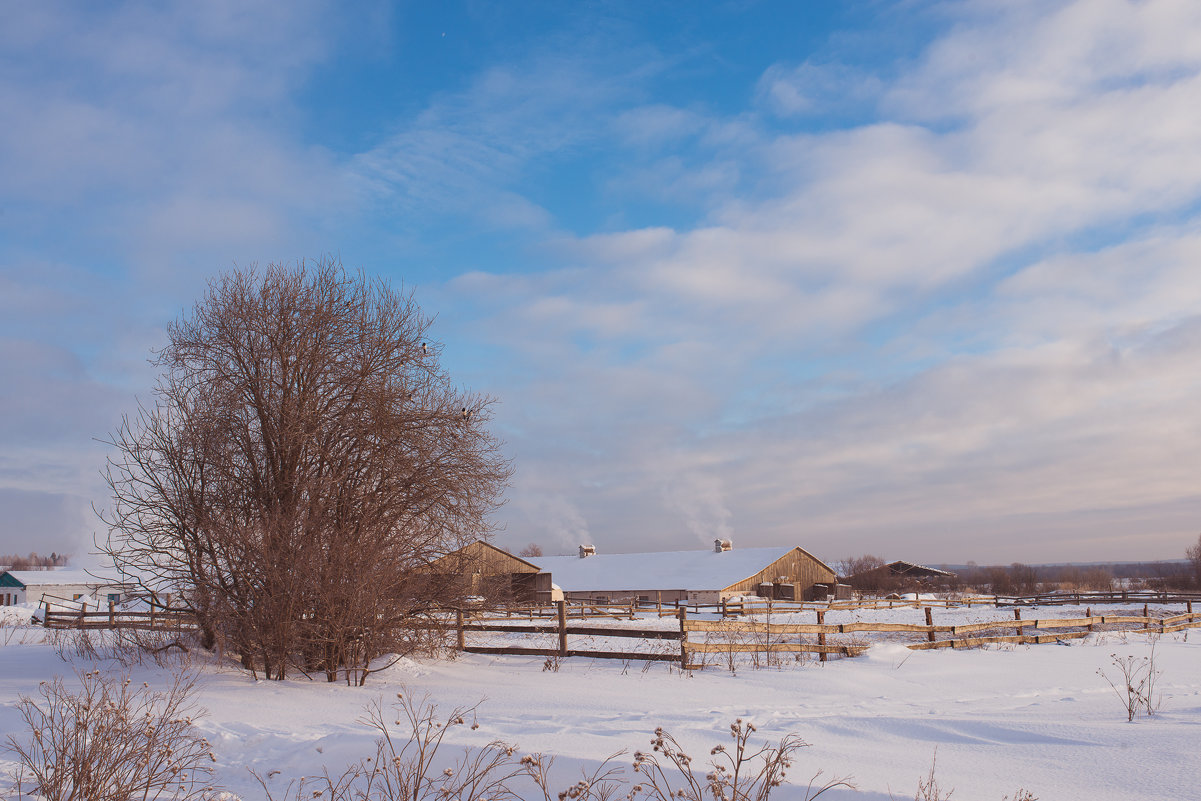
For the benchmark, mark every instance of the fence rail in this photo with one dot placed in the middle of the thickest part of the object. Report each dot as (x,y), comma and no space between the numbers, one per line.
(155,619)
(750,605)
(710,636)
(755,636)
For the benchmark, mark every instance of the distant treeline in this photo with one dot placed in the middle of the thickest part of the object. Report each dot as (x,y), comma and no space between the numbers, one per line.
(32,561)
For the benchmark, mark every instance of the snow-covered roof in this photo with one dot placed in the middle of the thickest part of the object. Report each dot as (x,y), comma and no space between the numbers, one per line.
(41,578)
(671,570)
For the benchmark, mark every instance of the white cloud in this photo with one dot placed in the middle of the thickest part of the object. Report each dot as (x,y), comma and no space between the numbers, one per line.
(1032,379)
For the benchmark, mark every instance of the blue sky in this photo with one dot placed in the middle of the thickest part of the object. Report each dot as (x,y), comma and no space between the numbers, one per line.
(919,279)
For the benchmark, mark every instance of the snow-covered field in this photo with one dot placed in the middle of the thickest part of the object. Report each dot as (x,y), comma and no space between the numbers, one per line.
(1001,718)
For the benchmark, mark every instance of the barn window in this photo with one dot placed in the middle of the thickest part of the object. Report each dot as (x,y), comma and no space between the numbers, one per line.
(77,596)
(114,597)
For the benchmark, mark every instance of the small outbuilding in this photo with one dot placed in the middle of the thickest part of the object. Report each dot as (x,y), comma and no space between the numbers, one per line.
(900,575)
(57,587)
(909,570)
(707,576)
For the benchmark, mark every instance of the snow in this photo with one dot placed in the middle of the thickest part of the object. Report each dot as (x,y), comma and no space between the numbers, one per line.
(999,718)
(56,578)
(672,570)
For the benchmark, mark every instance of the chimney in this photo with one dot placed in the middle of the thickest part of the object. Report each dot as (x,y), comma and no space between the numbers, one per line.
(587,550)
(720,545)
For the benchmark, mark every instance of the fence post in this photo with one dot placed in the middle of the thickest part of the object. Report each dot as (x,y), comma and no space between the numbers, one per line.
(112,614)
(1088,612)
(562,627)
(46,617)
(930,623)
(461,638)
(683,615)
(821,635)
(1017,615)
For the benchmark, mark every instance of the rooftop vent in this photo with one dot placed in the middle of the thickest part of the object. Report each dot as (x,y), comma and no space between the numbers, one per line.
(587,550)
(720,545)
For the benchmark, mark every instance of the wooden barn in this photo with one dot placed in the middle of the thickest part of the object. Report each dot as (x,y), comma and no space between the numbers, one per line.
(707,576)
(483,570)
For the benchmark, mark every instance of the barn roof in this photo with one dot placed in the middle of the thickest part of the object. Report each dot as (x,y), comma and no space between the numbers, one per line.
(41,578)
(471,556)
(670,570)
(904,568)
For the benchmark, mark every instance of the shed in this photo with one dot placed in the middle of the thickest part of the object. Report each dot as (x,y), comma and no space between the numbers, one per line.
(482,569)
(900,574)
(707,576)
(56,586)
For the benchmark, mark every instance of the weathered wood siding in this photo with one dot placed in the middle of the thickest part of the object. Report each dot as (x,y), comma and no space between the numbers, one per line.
(798,567)
(485,570)
(480,557)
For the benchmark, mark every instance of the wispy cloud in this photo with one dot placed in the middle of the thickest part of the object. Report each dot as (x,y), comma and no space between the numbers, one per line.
(972,315)
(942,308)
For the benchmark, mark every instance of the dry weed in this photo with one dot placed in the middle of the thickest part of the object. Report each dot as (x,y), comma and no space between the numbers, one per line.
(112,741)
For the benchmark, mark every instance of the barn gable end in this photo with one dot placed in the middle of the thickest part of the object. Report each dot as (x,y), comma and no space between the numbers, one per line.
(482,569)
(793,576)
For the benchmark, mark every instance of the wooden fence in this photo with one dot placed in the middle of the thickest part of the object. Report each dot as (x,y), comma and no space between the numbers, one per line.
(728,637)
(695,636)
(562,630)
(154,619)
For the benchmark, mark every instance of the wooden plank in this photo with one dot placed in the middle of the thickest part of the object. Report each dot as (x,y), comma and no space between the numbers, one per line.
(511,651)
(641,634)
(739,627)
(968,628)
(851,628)
(783,647)
(631,655)
(1063,622)
(517,628)
(1182,626)
(970,642)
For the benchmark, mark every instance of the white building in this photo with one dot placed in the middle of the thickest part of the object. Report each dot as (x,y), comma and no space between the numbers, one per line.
(59,587)
(700,576)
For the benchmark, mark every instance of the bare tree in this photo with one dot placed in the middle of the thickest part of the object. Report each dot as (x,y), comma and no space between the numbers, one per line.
(304,460)
(533,549)
(1193,552)
(868,574)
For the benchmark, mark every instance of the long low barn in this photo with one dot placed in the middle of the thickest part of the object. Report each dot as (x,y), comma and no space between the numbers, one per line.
(35,586)
(703,576)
